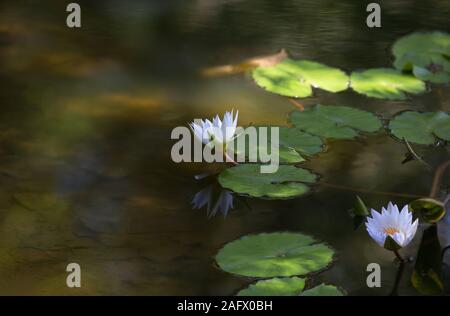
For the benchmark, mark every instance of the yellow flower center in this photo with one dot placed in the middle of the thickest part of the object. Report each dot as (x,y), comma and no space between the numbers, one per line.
(391,231)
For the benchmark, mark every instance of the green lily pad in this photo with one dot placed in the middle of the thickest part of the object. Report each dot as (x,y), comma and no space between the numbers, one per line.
(384,83)
(339,122)
(425,54)
(426,42)
(432,210)
(275,287)
(323,290)
(273,255)
(293,143)
(421,128)
(286,182)
(295,78)
(304,143)
(288,287)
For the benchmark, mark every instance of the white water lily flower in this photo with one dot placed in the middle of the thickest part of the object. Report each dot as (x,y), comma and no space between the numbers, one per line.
(221,132)
(391,222)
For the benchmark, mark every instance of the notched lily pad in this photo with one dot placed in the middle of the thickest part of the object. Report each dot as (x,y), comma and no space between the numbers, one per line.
(323,290)
(275,287)
(295,78)
(386,83)
(425,54)
(421,128)
(274,255)
(287,182)
(339,122)
(288,287)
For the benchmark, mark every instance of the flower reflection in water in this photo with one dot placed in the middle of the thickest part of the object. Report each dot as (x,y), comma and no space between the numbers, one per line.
(215,199)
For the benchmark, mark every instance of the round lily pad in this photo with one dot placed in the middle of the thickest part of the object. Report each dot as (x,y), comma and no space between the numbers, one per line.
(302,142)
(425,42)
(275,287)
(286,182)
(293,143)
(323,290)
(384,83)
(425,54)
(338,122)
(274,254)
(421,128)
(295,78)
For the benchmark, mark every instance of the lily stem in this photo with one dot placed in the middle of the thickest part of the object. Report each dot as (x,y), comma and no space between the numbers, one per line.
(297,104)
(415,155)
(440,170)
(399,257)
(361,190)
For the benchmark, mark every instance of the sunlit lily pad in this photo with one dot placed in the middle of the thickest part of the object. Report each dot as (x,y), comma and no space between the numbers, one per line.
(286,182)
(421,128)
(338,122)
(274,254)
(425,54)
(384,83)
(323,290)
(293,143)
(288,287)
(295,78)
(275,287)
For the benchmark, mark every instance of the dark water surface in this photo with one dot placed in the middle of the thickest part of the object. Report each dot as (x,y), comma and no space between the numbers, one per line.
(86,116)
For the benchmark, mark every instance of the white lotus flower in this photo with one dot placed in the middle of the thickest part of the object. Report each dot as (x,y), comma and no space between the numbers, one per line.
(217,131)
(391,222)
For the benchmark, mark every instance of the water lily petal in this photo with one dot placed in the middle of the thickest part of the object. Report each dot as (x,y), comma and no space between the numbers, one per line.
(391,222)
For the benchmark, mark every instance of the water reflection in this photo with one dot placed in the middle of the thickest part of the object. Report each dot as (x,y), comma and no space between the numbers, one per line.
(121,83)
(214,199)
(98,198)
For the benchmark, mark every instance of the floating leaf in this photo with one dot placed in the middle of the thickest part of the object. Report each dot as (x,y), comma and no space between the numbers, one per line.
(421,128)
(294,78)
(287,182)
(338,122)
(431,42)
(434,72)
(302,142)
(386,83)
(292,144)
(274,254)
(275,287)
(425,54)
(288,287)
(432,210)
(323,290)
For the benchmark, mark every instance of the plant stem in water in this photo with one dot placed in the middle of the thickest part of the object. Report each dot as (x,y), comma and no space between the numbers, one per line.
(440,170)
(354,189)
(399,257)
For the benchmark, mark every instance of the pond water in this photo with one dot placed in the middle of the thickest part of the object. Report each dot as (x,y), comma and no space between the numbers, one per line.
(86,116)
